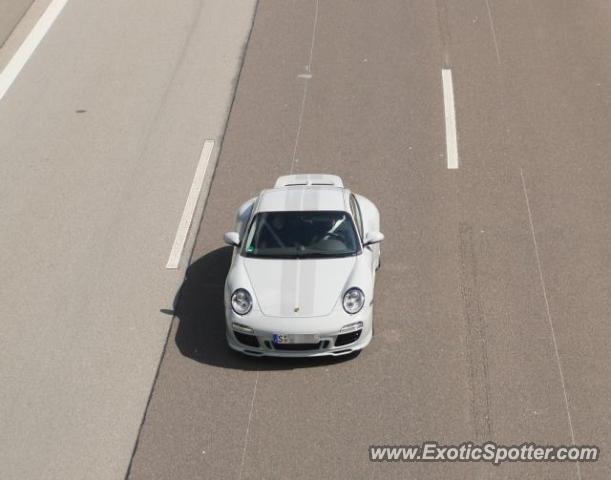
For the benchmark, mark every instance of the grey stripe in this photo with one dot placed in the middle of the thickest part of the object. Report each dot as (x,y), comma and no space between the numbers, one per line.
(293,199)
(288,286)
(307,286)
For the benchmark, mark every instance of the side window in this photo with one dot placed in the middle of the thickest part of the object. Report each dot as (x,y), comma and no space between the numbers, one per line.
(356,214)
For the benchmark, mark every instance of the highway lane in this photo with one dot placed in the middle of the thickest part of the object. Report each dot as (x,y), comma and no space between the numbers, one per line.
(492,301)
(100,135)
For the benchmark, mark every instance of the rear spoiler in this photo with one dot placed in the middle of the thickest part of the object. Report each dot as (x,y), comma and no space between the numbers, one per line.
(309,179)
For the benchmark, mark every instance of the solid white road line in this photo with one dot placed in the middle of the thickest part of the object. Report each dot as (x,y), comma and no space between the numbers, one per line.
(24,52)
(450,116)
(187,214)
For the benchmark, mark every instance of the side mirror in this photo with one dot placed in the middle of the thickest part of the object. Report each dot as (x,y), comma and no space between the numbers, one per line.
(373,237)
(232,238)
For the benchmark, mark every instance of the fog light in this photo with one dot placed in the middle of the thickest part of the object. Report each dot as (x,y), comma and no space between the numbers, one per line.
(238,327)
(351,327)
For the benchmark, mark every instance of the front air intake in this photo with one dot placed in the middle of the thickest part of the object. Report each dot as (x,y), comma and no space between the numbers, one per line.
(347,338)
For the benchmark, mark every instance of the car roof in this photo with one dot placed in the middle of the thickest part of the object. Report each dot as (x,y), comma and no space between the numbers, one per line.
(303,198)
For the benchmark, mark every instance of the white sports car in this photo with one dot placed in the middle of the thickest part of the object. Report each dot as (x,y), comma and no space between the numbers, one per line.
(303,270)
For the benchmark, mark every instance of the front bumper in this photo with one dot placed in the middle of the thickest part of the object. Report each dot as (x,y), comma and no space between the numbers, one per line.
(331,340)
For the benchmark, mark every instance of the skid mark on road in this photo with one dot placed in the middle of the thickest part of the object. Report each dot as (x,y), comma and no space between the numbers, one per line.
(477,354)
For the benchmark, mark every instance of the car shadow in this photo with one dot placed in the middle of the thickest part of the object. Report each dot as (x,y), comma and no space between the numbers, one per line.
(199,311)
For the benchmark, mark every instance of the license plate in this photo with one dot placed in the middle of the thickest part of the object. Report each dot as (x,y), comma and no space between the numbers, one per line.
(296,338)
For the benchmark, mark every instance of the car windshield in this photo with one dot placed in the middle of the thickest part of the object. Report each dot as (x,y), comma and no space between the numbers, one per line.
(314,234)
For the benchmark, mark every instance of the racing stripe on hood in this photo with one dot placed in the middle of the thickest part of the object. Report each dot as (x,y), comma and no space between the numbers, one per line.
(313,285)
(298,279)
(307,285)
(299,276)
(288,285)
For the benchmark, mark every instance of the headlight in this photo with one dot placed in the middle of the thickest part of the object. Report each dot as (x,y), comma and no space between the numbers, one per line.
(241,301)
(354,299)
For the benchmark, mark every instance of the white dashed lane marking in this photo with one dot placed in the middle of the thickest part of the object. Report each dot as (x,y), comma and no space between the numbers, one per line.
(450,117)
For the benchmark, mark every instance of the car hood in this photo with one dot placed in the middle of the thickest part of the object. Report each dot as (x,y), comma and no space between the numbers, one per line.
(298,288)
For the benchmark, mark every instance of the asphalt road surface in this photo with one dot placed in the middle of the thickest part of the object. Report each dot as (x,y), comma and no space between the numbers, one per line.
(492,304)
(100,135)
(486,269)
